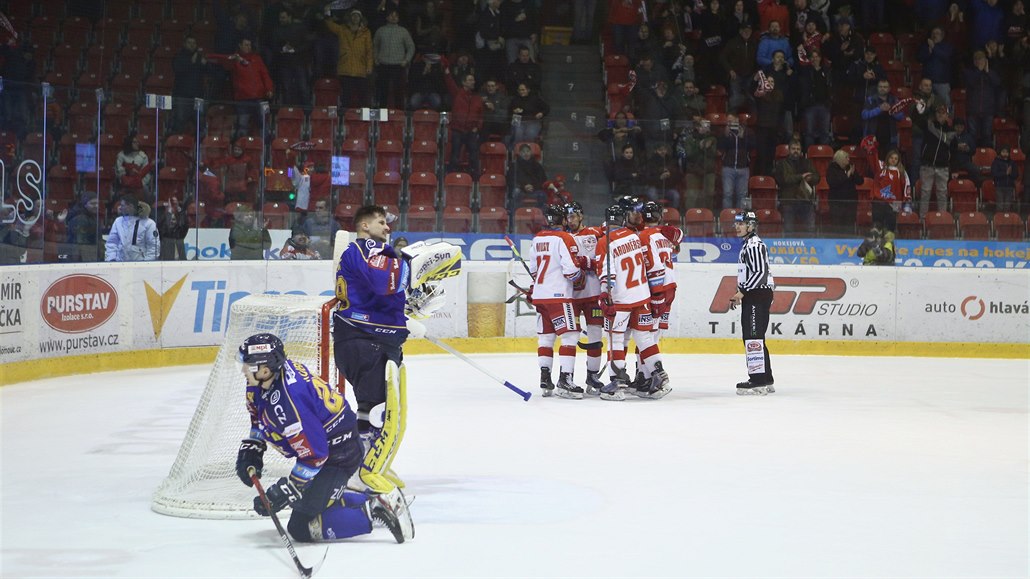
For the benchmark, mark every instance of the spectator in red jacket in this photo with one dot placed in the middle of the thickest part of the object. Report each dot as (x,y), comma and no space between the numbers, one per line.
(624,16)
(466,119)
(251,82)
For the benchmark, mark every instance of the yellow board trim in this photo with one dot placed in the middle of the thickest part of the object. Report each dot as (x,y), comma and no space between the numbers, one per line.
(14,372)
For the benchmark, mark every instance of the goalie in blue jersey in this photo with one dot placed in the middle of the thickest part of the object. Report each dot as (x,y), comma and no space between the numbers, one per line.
(306,419)
(382,294)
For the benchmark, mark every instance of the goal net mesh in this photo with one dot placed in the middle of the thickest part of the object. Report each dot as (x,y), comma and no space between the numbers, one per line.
(202,482)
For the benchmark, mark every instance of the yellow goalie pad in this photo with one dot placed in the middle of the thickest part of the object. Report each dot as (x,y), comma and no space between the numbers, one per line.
(375,471)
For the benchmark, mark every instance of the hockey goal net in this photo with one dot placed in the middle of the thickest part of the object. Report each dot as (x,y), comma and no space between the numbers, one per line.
(202,482)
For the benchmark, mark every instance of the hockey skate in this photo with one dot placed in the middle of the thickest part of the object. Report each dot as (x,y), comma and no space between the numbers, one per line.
(545,382)
(750,388)
(657,387)
(613,390)
(639,381)
(566,389)
(391,511)
(594,385)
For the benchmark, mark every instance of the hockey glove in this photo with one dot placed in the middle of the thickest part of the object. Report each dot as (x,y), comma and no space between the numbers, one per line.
(657,304)
(606,305)
(529,295)
(279,495)
(582,262)
(250,456)
(432,263)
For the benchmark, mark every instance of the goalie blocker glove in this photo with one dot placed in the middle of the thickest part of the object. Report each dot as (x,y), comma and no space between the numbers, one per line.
(279,495)
(250,456)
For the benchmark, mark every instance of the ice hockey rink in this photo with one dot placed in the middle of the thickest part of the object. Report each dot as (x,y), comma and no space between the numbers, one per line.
(856,467)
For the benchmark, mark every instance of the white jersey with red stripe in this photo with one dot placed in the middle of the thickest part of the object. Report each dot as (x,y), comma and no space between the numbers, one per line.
(586,240)
(630,262)
(552,266)
(660,246)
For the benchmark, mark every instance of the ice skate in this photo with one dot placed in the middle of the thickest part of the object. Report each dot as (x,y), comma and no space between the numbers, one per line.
(750,388)
(613,390)
(566,389)
(639,381)
(594,385)
(657,387)
(391,510)
(545,382)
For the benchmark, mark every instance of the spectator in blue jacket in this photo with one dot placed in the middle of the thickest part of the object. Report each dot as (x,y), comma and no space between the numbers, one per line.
(771,42)
(1004,173)
(880,117)
(937,55)
(988,16)
(982,87)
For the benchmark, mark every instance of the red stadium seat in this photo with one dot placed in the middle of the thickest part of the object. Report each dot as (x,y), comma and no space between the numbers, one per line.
(324,124)
(885,44)
(386,188)
(671,216)
(425,125)
(82,117)
(277,215)
(726,217)
(616,68)
(988,192)
(171,183)
(357,149)
(327,92)
(821,156)
(389,155)
(963,194)
(699,222)
(354,127)
(493,157)
(1006,133)
(940,225)
(457,190)
(974,226)
(771,222)
(909,226)
(62,183)
(1009,227)
(763,191)
(982,159)
(289,123)
(394,128)
(180,151)
(354,192)
(528,220)
(457,219)
(132,60)
(716,99)
(421,218)
(493,190)
(424,157)
(493,220)
(422,189)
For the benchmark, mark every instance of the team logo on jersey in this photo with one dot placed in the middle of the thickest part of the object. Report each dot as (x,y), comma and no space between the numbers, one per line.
(378,262)
(275,397)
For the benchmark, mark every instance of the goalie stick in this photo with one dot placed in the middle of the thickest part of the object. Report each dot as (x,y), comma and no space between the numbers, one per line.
(525,395)
(305,572)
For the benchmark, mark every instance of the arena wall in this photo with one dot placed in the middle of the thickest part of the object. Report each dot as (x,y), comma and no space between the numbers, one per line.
(72,319)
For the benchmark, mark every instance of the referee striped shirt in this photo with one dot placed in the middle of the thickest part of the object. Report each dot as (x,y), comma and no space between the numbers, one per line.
(753,270)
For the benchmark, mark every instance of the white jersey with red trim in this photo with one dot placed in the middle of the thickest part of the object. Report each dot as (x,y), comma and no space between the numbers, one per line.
(586,240)
(659,245)
(552,266)
(630,262)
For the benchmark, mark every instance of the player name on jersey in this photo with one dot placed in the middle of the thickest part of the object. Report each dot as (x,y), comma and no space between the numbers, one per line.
(627,247)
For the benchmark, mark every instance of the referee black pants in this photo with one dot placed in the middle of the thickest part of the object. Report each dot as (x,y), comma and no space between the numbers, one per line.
(754,321)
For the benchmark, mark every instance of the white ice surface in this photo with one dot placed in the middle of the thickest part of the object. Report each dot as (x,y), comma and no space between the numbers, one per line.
(858,467)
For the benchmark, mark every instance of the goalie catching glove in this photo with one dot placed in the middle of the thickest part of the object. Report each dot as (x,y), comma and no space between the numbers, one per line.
(431,263)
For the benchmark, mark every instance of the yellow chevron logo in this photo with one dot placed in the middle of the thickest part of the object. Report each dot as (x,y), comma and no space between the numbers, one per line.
(160,304)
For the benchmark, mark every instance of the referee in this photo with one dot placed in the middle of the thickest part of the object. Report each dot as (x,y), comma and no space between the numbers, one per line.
(755,292)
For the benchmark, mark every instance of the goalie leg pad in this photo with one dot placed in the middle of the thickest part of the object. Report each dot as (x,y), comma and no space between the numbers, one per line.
(380,455)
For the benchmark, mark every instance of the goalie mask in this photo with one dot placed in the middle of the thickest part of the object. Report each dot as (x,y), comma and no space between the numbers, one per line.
(262,350)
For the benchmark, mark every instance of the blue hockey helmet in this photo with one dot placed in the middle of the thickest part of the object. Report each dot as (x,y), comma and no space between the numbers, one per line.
(262,350)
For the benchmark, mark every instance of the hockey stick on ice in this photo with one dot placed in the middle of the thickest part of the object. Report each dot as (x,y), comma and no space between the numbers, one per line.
(525,395)
(305,572)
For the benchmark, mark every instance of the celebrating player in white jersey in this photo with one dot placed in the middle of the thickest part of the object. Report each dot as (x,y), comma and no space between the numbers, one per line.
(557,270)
(623,265)
(663,242)
(584,300)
